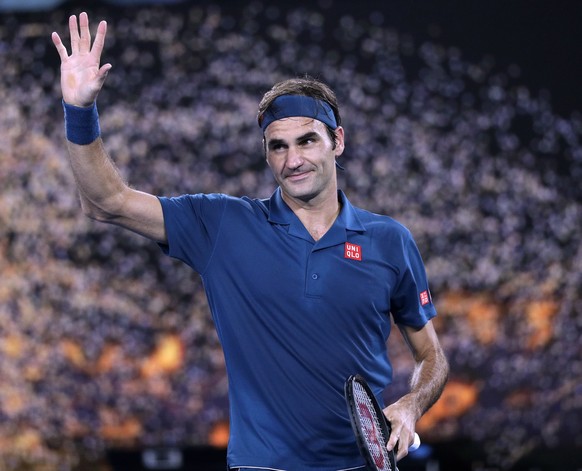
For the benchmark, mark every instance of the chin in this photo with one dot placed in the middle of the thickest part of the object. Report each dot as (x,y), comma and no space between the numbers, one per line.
(302,195)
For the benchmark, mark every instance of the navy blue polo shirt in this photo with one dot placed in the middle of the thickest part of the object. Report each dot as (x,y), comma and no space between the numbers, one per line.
(296,317)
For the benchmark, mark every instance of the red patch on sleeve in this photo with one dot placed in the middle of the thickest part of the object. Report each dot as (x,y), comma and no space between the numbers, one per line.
(424,298)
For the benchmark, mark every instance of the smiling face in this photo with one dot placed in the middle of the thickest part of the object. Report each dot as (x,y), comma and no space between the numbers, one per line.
(302,158)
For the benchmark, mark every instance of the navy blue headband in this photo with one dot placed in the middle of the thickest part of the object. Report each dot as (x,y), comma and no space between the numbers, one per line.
(286,106)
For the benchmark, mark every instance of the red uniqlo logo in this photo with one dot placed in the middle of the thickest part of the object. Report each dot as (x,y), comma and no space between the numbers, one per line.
(424,298)
(353,252)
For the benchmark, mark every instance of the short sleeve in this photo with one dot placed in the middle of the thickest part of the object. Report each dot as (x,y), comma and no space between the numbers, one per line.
(411,303)
(192,224)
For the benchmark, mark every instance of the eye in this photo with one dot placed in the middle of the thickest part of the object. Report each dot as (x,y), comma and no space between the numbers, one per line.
(276,146)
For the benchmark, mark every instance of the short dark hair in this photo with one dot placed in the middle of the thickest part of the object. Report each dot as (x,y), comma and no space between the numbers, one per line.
(306,86)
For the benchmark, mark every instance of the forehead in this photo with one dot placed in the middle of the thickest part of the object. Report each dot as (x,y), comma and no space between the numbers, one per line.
(288,128)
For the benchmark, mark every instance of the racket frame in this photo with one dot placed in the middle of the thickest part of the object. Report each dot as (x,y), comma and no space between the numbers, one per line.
(357,425)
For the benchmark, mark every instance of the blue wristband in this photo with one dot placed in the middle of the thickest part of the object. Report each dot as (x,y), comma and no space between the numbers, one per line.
(81,124)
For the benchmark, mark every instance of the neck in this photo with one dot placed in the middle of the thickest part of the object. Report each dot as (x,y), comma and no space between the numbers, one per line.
(316,217)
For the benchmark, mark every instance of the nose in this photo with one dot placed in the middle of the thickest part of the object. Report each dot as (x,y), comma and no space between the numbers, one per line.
(294,158)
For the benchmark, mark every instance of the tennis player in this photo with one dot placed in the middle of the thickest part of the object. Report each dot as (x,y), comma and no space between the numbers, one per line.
(301,286)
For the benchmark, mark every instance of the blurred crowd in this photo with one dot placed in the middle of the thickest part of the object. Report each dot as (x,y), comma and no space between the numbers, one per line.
(105,341)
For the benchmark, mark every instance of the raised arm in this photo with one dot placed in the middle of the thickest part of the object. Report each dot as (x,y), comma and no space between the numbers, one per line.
(105,196)
(426,385)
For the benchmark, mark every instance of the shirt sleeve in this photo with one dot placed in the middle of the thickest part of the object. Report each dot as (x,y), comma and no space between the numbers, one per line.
(192,225)
(411,303)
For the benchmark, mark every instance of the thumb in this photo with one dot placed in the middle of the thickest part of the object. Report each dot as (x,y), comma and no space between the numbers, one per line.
(104,70)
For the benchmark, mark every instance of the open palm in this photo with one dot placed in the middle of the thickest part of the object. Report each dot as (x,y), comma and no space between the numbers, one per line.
(81,75)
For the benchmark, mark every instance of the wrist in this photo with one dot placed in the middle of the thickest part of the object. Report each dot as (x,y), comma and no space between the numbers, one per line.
(411,403)
(81,123)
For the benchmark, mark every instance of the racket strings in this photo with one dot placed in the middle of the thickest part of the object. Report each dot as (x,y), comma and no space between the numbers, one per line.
(371,428)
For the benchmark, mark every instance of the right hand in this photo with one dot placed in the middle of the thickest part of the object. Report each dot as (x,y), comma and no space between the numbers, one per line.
(81,76)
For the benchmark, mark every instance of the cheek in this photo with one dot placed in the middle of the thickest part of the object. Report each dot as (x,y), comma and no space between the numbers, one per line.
(273,163)
(273,166)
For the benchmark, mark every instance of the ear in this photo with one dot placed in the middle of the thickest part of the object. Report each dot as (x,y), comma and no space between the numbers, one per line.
(265,147)
(339,139)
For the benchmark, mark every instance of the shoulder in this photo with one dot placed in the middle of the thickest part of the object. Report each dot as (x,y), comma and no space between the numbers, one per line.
(205,202)
(381,224)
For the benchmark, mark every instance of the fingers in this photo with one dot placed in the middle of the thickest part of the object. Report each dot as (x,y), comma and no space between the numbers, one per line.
(402,451)
(61,49)
(74,33)
(81,36)
(399,450)
(393,439)
(99,42)
(85,42)
(402,443)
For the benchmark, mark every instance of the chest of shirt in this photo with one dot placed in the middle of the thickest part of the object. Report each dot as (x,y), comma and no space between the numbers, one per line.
(346,270)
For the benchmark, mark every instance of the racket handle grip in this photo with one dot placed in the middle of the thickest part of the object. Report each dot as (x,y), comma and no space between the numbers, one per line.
(415,444)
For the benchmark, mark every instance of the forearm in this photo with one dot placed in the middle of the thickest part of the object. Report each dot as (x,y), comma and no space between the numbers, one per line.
(431,368)
(428,381)
(99,182)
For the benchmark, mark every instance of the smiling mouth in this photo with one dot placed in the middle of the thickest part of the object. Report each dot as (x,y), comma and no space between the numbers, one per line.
(296,176)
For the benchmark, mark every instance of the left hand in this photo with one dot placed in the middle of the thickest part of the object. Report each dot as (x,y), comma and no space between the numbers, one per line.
(402,418)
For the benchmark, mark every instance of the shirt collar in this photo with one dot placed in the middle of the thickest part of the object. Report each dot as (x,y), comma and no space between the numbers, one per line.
(280,213)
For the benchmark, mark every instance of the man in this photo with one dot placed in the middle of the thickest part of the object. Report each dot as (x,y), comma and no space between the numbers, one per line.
(301,286)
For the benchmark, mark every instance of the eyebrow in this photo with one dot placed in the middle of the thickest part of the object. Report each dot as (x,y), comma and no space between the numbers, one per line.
(308,135)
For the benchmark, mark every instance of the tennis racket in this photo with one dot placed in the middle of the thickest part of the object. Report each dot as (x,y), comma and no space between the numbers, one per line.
(370,426)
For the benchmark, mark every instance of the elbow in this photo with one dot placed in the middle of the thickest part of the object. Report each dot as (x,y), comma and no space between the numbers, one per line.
(95,215)
(106,207)
(95,212)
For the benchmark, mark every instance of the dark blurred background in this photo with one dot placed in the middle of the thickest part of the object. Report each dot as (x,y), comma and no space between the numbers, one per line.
(462,121)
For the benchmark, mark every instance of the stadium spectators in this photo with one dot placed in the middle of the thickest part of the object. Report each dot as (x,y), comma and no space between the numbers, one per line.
(93,348)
